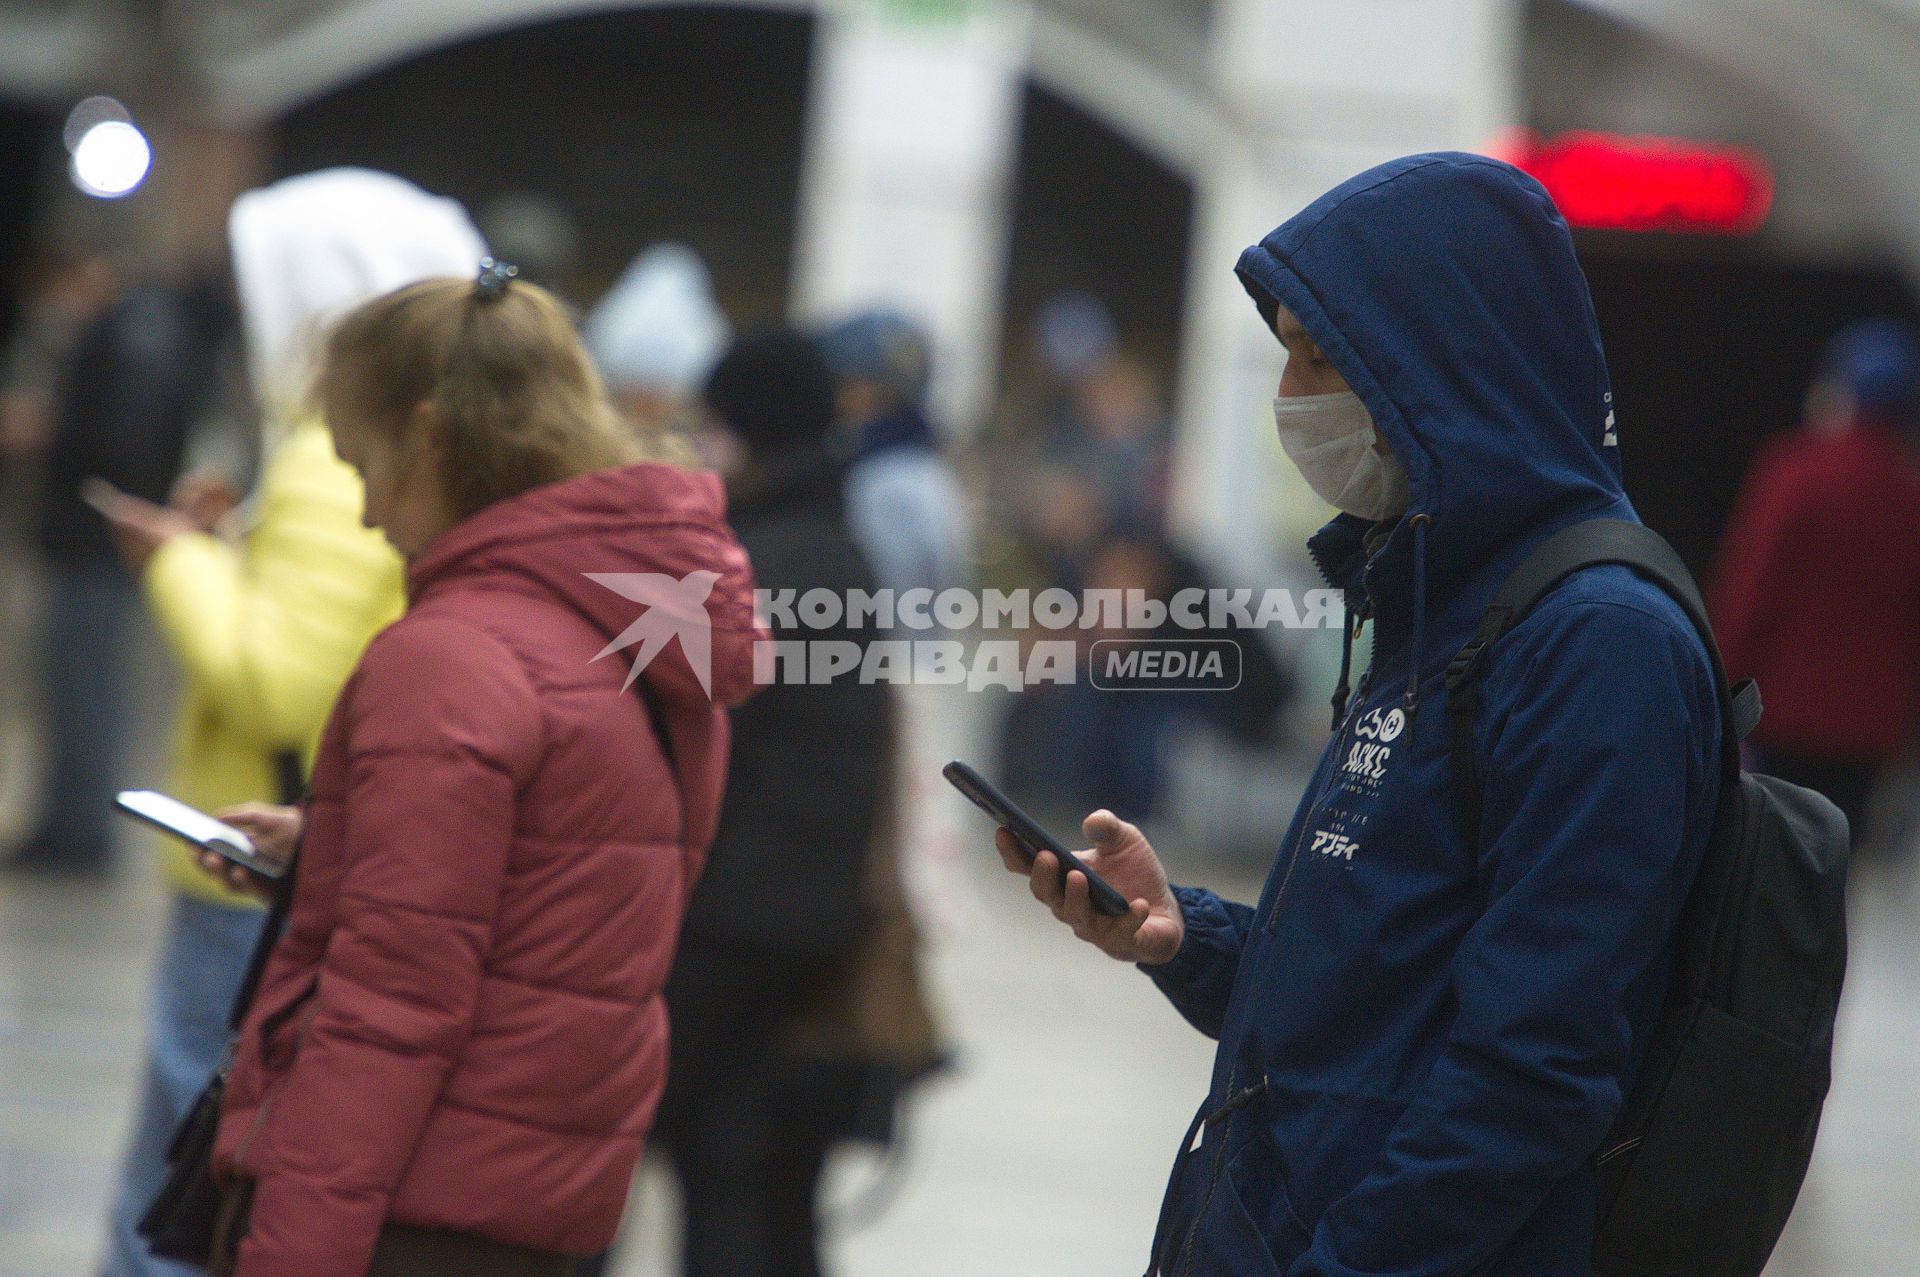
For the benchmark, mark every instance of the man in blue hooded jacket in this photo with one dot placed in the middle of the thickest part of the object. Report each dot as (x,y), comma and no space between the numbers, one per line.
(1426,1030)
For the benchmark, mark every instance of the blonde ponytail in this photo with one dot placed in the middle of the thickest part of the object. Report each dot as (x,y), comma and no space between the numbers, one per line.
(503,370)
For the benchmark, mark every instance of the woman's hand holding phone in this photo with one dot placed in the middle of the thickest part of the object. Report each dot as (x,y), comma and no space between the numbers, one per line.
(1151,930)
(275,832)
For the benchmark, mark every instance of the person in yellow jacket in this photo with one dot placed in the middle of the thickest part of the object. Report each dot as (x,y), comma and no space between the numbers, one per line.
(264,631)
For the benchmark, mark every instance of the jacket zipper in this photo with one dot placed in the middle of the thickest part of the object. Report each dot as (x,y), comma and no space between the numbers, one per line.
(1354,703)
(1616,1150)
(1236,1100)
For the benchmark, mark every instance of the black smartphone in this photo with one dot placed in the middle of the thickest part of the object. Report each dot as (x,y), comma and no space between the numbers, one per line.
(190,824)
(1030,837)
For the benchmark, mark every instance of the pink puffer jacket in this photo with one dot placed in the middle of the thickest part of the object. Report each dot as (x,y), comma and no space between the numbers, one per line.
(464,1027)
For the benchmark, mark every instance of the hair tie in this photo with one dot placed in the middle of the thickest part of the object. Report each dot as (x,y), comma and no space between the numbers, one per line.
(495,275)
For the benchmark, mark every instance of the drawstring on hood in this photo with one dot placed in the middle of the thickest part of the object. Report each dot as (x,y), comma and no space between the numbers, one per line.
(1349,630)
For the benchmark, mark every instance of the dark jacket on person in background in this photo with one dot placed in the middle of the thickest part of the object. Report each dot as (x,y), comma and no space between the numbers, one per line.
(809,768)
(1426,1031)
(141,375)
(790,898)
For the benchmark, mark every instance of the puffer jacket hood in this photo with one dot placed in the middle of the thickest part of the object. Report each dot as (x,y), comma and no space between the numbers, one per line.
(1426,1029)
(308,249)
(580,540)
(645,555)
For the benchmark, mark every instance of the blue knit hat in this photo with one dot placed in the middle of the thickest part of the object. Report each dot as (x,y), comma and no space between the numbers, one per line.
(1878,360)
(881,346)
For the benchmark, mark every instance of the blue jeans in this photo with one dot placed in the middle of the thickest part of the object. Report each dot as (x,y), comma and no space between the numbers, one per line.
(201,965)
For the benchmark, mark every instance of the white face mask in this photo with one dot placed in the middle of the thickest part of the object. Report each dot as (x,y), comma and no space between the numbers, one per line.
(1330,438)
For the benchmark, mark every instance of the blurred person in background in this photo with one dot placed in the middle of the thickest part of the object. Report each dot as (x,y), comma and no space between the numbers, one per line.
(1116,430)
(1090,478)
(905,508)
(1818,589)
(139,378)
(794,1003)
(1088,457)
(1109,747)
(907,511)
(655,336)
(62,291)
(65,290)
(460,1040)
(266,629)
(1103,424)
(1073,334)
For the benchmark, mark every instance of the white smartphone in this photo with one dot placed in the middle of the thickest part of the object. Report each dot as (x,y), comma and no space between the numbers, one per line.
(195,826)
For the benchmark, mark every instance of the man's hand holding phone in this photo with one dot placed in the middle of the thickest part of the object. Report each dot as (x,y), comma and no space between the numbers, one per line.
(275,832)
(1149,932)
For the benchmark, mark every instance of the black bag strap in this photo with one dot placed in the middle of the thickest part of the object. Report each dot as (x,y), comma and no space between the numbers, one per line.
(291,781)
(289,777)
(270,928)
(1582,545)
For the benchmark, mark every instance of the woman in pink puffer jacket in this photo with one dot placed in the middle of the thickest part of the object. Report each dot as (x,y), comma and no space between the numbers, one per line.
(460,1041)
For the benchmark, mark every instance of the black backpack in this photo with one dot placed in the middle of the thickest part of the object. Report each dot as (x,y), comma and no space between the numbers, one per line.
(1700,1171)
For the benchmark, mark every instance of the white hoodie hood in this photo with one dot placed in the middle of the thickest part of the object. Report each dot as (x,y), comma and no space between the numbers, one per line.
(310,248)
(658,327)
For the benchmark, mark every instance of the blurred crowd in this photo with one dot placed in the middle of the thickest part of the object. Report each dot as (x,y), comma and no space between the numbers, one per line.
(1082,483)
(164,465)
(170,478)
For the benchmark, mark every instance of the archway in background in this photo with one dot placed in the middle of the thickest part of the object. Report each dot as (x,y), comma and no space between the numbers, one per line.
(1166,112)
(1093,211)
(618,117)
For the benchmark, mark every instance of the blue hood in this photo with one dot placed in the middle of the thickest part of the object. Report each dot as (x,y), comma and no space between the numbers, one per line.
(1493,396)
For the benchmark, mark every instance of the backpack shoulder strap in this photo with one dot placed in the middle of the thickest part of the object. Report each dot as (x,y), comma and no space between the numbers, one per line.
(1582,545)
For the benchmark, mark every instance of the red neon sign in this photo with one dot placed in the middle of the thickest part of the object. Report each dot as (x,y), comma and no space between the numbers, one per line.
(1610,182)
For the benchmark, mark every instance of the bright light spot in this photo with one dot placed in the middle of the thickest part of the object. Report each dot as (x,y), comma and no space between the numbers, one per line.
(89,112)
(111,159)
(1614,182)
